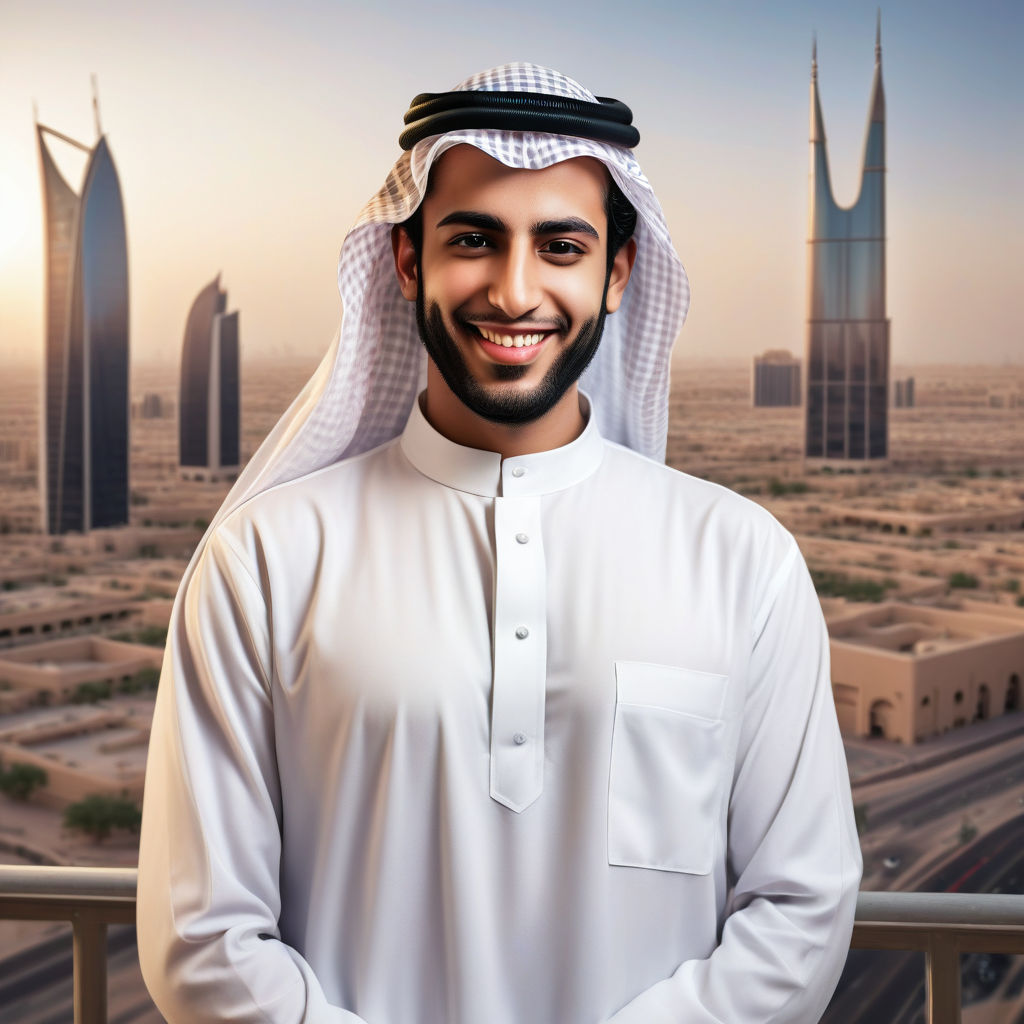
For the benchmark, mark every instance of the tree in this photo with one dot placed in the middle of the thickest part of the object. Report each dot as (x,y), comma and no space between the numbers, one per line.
(90,693)
(963,580)
(967,832)
(21,780)
(860,816)
(98,815)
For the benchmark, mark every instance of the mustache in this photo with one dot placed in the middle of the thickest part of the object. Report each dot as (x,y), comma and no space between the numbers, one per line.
(557,323)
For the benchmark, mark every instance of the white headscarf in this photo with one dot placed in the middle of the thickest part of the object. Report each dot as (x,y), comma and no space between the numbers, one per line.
(363,390)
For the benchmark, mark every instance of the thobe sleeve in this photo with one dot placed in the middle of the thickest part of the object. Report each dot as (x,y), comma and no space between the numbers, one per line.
(792,843)
(209,861)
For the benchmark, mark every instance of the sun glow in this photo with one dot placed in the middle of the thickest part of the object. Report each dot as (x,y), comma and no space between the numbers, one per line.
(14,221)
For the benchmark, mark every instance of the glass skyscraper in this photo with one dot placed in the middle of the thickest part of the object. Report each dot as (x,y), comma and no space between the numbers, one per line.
(847,326)
(208,410)
(85,417)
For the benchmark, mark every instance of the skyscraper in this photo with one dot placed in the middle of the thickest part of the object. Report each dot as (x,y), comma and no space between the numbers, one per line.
(775,379)
(847,325)
(84,469)
(208,410)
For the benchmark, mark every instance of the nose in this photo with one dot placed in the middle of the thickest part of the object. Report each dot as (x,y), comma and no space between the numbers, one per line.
(515,288)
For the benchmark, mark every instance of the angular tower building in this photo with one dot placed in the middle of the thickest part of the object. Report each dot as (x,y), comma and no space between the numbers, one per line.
(84,467)
(208,410)
(847,326)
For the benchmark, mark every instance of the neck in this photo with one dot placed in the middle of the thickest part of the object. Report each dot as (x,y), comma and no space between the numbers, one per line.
(448,416)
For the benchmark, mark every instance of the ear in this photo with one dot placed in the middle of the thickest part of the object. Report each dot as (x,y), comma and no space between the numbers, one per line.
(622,267)
(405,262)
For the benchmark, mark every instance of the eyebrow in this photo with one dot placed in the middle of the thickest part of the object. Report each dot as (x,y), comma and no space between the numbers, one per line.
(488,222)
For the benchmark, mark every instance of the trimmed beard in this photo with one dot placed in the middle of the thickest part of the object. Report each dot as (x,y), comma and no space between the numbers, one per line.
(505,405)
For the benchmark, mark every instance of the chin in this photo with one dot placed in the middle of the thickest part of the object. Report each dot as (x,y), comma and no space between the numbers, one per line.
(499,400)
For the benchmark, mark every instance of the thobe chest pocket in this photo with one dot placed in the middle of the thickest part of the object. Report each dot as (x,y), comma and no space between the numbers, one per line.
(667,771)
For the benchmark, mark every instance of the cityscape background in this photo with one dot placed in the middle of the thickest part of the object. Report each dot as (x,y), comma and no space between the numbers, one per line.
(246,139)
(248,136)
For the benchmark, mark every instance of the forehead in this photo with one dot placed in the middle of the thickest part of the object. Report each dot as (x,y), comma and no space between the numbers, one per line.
(464,177)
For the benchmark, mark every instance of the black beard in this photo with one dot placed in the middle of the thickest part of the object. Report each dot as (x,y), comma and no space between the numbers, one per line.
(505,405)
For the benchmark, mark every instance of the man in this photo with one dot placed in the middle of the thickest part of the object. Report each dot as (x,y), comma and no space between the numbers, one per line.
(472,710)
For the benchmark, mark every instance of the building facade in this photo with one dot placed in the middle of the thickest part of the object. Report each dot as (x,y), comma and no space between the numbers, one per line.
(847,326)
(84,469)
(209,405)
(776,379)
(910,672)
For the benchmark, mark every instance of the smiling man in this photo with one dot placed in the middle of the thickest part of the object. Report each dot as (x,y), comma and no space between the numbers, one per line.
(522,272)
(473,711)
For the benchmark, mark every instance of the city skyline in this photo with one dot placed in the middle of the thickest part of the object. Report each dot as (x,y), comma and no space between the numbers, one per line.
(259,141)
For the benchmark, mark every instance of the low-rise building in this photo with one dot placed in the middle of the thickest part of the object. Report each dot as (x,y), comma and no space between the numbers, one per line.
(908,672)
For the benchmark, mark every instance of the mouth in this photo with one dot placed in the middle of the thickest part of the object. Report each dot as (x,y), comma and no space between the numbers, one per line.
(507,345)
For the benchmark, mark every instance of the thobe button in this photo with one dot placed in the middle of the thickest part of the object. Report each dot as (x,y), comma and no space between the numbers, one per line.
(518,739)
(518,471)
(521,538)
(522,632)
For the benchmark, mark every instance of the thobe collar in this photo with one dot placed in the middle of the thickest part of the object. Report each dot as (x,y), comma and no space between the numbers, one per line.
(487,474)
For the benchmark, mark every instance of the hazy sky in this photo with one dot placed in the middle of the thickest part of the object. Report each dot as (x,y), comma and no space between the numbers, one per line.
(248,135)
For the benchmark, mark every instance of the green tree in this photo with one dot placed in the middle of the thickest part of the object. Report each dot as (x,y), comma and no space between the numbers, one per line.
(967,832)
(963,580)
(860,816)
(21,780)
(98,815)
(145,679)
(90,693)
(838,584)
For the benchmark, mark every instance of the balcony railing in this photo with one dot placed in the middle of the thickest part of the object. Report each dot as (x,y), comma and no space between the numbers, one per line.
(942,925)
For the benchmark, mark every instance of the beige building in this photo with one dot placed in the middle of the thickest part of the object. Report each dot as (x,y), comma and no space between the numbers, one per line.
(908,672)
(53,672)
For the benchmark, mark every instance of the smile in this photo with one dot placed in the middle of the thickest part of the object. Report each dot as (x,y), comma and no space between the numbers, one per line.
(511,340)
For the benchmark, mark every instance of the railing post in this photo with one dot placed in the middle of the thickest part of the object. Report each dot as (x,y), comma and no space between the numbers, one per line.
(90,967)
(942,980)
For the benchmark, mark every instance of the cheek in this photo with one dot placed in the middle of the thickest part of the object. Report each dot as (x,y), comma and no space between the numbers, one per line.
(451,284)
(582,294)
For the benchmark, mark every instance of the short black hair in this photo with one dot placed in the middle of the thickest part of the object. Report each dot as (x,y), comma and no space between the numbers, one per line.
(621,214)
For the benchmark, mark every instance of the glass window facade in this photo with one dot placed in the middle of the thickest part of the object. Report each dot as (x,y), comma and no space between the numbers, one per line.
(208,420)
(847,327)
(85,441)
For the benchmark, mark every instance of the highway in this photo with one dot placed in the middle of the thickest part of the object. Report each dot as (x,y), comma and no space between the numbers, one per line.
(889,987)
(36,983)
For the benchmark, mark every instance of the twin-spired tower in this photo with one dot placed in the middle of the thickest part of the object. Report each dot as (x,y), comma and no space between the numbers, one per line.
(847,326)
(85,392)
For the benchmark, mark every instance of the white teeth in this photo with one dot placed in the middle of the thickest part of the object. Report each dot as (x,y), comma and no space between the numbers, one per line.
(511,340)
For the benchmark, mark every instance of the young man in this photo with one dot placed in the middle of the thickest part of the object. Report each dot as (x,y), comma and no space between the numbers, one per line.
(472,710)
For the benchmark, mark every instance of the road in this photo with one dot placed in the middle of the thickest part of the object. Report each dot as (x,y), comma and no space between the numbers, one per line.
(36,984)
(924,796)
(889,987)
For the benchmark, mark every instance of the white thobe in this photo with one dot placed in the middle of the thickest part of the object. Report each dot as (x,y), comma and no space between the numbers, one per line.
(443,737)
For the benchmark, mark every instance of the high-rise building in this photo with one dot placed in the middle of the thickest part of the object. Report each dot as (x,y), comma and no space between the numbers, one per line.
(847,325)
(208,410)
(776,379)
(85,418)
(903,393)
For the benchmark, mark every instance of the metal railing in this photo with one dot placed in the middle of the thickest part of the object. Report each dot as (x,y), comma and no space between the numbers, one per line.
(942,925)
(90,898)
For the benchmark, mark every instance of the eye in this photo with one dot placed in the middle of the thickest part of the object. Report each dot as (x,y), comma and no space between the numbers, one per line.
(562,247)
(470,241)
